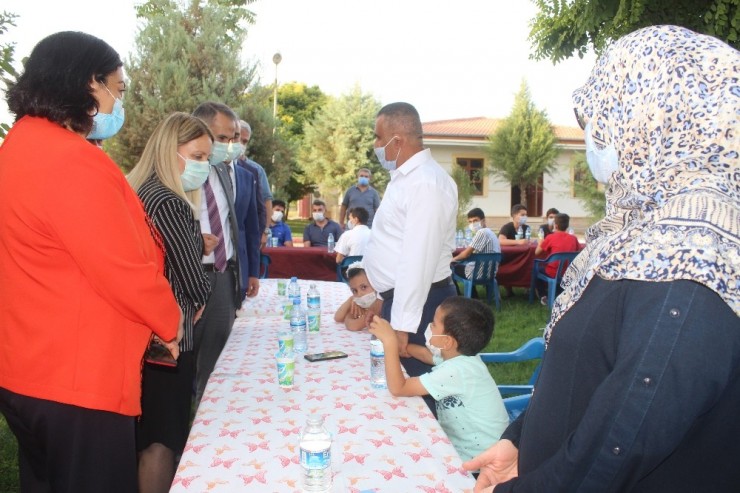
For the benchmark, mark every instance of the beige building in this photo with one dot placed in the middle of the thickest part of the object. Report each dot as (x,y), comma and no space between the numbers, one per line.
(464,142)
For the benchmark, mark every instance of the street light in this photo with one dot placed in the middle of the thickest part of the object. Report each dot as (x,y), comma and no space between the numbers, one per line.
(276,59)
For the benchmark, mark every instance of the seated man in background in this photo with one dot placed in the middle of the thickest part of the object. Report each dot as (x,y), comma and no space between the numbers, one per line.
(354,240)
(548,227)
(484,241)
(509,232)
(317,232)
(558,241)
(278,228)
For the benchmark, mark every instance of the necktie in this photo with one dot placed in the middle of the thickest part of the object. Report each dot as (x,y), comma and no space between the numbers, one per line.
(214,218)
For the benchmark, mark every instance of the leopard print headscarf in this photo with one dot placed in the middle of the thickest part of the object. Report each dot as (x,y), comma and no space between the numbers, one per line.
(669,100)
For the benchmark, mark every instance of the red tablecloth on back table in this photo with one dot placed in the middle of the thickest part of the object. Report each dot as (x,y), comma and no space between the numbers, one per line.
(304,263)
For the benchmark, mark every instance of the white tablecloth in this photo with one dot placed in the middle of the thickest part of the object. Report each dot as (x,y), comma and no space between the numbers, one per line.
(245,436)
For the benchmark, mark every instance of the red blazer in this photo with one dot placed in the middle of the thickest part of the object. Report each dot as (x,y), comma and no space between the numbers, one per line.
(81,277)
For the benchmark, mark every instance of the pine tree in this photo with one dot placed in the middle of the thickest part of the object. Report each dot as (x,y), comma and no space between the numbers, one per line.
(339,141)
(185,55)
(523,147)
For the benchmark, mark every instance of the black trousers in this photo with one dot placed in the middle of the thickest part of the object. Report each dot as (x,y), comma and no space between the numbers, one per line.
(70,449)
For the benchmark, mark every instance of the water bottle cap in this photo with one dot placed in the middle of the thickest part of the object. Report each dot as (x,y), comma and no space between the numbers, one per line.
(293,279)
(296,301)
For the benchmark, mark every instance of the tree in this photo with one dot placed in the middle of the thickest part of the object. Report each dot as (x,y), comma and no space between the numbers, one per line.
(185,54)
(339,141)
(8,73)
(298,104)
(563,28)
(465,190)
(586,188)
(523,147)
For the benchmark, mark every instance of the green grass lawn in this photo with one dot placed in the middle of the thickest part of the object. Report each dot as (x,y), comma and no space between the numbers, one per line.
(516,323)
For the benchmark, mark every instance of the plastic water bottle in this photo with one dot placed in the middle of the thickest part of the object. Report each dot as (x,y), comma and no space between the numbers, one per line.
(269,237)
(313,305)
(468,237)
(519,233)
(459,239)
(377,364)
(294,290)
(528,233)
(316,455)
(571,231)
(541,234)
(298,326)
(330,243)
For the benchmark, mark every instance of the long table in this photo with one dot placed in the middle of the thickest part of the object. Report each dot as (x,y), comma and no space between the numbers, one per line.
(245,435)
(318,264)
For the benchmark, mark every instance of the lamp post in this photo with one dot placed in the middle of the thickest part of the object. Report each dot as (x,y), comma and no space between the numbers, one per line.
(276,59)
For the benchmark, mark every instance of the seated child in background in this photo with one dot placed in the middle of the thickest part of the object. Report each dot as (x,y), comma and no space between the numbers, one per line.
(469,405)
(556,242)
(364,300)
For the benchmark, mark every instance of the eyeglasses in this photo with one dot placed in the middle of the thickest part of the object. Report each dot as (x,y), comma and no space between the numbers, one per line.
(579,119)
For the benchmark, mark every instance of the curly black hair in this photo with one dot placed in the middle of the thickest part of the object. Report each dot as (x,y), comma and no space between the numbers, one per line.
(55,83)
(469,321)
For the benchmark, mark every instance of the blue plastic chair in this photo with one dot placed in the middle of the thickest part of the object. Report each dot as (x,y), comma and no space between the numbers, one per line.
(484,273)
(342,267)
(265,262)
(518,395)
(538,272)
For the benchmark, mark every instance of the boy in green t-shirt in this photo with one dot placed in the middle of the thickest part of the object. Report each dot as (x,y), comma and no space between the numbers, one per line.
(469,405)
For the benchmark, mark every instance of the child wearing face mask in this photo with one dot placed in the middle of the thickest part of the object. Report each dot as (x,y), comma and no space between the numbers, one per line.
(364,300)
(469,404)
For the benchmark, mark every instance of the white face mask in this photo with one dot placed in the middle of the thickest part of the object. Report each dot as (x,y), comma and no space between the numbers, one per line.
(523,220)
(436,352)
(602,162)
(380,153)
(475,226)
(550,221)
(366,300)
(277,216)
(318,216)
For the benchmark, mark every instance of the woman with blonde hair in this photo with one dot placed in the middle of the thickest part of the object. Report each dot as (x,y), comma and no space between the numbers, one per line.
(167,178)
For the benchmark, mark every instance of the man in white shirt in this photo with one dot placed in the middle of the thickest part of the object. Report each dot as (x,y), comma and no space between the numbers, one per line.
(354,240)
(408,256)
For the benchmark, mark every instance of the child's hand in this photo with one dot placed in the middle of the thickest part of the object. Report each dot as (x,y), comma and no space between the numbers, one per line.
(381,329)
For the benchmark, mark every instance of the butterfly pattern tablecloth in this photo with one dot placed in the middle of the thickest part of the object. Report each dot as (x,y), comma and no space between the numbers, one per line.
(245,436)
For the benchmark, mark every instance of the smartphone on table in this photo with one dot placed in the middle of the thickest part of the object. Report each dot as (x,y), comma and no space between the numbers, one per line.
(325,356)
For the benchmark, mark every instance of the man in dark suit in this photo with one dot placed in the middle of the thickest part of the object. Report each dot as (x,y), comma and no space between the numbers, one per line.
(228,211)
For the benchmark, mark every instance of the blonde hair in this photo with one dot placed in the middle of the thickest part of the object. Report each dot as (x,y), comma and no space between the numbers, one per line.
(160,155)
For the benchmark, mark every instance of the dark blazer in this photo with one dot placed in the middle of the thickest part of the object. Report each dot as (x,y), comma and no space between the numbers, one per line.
(261,213)
(248,226)
(223,175)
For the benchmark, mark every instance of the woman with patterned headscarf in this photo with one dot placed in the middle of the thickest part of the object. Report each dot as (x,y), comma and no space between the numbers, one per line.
(640,385)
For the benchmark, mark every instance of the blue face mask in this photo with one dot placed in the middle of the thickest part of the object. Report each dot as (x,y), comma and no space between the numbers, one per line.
(380,153)
(363,181)
(195,174)
(235,150)
(106,125)
(602,162)
(219,153)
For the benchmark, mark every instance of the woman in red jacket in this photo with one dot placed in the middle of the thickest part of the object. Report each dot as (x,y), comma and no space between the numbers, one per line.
(81,275)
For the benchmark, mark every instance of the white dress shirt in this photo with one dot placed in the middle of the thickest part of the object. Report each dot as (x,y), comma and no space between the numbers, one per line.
(413,237)
(353,241)
(223,212)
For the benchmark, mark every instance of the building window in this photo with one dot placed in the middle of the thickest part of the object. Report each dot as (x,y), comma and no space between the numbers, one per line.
(474,169)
